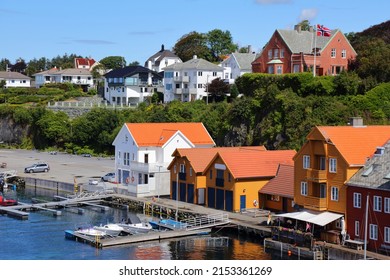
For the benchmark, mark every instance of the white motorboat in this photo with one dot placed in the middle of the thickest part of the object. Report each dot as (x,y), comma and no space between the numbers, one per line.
(134,225)
(110,229)
(90,232)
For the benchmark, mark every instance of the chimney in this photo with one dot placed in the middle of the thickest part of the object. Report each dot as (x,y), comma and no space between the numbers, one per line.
(162,47)
(298,28)
(356,122)
(249,49)
(195,56)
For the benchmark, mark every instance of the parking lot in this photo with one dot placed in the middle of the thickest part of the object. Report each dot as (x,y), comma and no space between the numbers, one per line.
(63,167)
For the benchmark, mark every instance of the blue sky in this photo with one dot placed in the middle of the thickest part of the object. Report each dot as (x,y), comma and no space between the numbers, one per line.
(137,29)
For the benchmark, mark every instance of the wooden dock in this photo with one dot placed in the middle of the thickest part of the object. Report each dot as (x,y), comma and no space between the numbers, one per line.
(135,238)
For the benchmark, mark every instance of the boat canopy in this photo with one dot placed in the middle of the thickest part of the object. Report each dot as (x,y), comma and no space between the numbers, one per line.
(318,218)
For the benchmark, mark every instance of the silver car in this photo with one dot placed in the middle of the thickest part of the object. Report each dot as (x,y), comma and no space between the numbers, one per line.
(109,177)
(37,167)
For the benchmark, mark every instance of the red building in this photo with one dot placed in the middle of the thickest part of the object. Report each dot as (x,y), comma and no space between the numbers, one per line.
(372,184)
(294,51)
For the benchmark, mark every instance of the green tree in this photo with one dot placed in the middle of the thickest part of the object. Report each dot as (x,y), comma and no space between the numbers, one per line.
(53,128)
(4,64)
(217,89)
(191,44)
(220,43)
(113,62)
(36,65)
(305,25)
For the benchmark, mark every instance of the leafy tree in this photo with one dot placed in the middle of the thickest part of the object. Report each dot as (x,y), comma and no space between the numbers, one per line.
(346,83)
(64,62)
(191,44)
(217,89)
(4,63)
(36,66)
(134,63)
(305,25)
(19,66)
(53,127)
(113,62)
(220,43)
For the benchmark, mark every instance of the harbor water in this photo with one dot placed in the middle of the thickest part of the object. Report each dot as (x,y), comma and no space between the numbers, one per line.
(42,237)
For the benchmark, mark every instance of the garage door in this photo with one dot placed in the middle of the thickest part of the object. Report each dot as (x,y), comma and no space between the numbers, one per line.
(182,192)
(211,197)
(220,199)
(190,193)
(229,201)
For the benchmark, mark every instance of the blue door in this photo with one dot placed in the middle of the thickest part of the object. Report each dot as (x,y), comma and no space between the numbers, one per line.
(220,203)
(211,197)
(190,193)
(182,192)
(229,201)
(242,202)
(173,191)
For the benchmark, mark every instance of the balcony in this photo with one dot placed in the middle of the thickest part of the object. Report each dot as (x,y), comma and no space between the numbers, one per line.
(316,175)
(315,203)
(181,79)
(146,167)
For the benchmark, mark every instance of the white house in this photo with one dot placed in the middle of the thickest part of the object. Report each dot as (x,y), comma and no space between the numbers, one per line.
(143,152)
(236,65)
(81,77)
(14,79)
(161,59)
(188,81)
(130,85)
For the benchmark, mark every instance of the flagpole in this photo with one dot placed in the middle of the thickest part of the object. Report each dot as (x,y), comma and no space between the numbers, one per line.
(315,50)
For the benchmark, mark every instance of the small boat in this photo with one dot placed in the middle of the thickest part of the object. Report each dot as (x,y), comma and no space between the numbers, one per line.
(134,225)
(7,202)
(91,232)
(168,224)
(110,229)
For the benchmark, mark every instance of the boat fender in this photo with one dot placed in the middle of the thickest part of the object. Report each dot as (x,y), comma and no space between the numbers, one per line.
(127,180)
(255,203)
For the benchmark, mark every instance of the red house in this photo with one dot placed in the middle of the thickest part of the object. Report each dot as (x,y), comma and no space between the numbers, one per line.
(371,184)
(294,51)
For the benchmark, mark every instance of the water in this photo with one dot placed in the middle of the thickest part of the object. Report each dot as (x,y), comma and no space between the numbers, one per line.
(42,237)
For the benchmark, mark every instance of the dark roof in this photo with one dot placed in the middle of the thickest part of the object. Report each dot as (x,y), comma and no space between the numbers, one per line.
(160,55)
(129,71)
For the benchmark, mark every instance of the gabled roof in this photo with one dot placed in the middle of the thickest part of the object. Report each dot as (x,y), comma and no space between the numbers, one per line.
(12,75)
(84,61)
(195,63)
(282,184)
(157,134)
(303,41)
(68,71)
(354,143)
(254,164)
(376,172)
(160,55)
(129,71)
(244,60)
(201,157)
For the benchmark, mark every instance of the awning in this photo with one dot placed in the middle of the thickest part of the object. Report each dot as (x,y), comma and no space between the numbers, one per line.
(318,218)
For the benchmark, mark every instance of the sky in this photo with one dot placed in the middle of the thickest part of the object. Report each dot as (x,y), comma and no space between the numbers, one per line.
(136,30)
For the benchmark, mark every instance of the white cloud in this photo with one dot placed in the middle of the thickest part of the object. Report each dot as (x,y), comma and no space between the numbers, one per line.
(266,2)
(308,14)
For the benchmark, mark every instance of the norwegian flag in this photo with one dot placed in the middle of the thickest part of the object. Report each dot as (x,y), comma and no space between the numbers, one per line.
(323,31)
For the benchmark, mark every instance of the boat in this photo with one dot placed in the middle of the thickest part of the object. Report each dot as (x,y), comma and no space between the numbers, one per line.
(134,225)
(110,229)
(168,224)
(91,232)
(7,202)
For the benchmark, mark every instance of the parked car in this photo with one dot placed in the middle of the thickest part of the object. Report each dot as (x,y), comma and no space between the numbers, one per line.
(86,155)
(93,182)
(37,167)
(109,177)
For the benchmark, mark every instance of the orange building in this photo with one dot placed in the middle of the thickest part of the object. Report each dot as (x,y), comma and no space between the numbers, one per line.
(330,157)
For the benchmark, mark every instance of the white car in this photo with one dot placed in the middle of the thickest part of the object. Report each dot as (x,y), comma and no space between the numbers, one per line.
(93,182)
(109,177)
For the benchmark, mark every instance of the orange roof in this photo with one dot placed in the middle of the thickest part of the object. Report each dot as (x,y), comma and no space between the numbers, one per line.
(157,134)
(282,184)
(246,163)
(355,143)
(199,158)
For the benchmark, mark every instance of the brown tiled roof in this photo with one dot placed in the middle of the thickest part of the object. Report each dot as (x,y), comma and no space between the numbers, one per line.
(282,184)
(157,134)
(356,143)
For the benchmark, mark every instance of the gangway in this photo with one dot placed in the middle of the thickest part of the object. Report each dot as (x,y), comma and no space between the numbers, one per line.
(206,221)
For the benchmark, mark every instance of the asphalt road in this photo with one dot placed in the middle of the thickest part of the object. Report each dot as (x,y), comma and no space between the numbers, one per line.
(63,167)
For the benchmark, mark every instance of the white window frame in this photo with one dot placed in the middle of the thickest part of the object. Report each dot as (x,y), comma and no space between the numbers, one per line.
(357,228)
(332,165)
(344,53)
(304,188)
(386,237)
(386,206)
(279,69)
(357,200)
(373,232)
(333,53)
(270,54)
(334,193)
(306,162)
(377,203)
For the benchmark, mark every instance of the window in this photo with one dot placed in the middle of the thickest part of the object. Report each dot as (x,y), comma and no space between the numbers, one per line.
(200,73)
(211,174)
(377,203)
(200,85)
(304,188)
(322,163)
(279,69)
(191,171)
(126,159)
(357,200)
(182,168)
(276,53)
(168,86)
(334,194)
(306,162)
(332,165)
(269,54)
(270,69)
(344,53)
(357,228)
(322,190)
(214,74)
(387,235)
(373,232)
(296,68)
(333,53)
(282,53)
(174,169)
(386,207)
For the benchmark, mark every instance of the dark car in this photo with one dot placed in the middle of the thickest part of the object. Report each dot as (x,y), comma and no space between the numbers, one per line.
(86,155)
(37,167)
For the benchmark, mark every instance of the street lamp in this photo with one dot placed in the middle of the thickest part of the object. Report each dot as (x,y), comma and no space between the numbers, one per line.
(159,182)
(207,90)
(177,191)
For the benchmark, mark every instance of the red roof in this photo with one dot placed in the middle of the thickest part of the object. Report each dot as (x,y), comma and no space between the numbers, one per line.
(247,164)
(157,134)
(282,184)
(84,61)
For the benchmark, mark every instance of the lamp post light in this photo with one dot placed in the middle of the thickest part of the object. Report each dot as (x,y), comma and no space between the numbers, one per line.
(177,192)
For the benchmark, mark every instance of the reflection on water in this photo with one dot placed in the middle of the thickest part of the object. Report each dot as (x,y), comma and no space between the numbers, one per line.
(42,237)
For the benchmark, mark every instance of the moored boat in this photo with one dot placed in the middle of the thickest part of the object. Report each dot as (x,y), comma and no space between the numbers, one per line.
(110,229)
(134,225)
(91,232)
